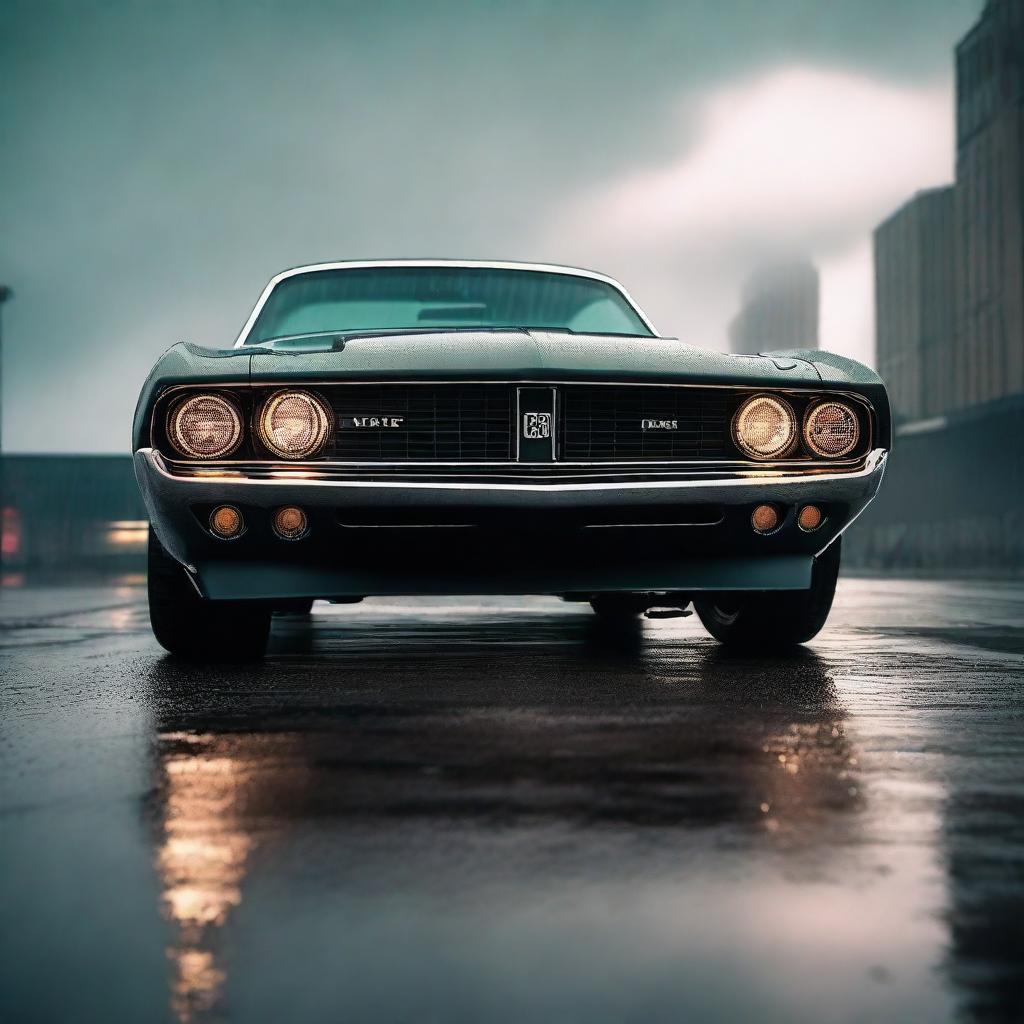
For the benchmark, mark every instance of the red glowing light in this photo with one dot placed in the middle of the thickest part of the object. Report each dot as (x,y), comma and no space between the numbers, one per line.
(11,543)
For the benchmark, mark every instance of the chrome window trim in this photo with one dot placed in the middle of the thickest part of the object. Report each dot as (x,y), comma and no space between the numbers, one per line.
(546,268)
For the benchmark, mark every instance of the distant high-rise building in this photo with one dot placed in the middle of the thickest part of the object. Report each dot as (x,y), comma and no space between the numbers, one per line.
(989,205)
(949,265)
(779,311)
(914,305)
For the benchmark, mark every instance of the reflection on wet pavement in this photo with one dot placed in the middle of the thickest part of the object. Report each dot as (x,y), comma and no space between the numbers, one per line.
(507,812)
(201,861)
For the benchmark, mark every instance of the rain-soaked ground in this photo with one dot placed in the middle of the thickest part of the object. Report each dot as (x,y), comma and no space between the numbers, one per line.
(429,811)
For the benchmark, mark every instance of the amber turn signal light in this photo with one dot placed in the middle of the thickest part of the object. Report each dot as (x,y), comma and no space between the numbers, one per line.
(764,518)
(226,521)
(810,518)
(290,522)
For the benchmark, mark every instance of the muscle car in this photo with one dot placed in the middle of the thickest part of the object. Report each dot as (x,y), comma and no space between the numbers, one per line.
(450,427)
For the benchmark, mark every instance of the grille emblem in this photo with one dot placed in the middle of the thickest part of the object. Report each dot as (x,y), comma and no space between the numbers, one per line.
(659,425)
(536,425)
(371,422)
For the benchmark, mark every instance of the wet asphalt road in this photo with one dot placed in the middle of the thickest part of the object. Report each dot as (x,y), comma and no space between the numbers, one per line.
(497,812)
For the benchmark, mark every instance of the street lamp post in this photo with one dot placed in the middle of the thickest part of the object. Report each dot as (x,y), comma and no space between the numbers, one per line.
(5,294)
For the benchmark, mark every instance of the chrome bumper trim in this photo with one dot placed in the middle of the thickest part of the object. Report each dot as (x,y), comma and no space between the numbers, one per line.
(154,464)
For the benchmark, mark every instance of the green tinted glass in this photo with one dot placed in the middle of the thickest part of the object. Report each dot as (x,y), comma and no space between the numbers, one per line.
(401,298)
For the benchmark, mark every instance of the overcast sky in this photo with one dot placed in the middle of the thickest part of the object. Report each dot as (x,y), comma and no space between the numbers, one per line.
(160,161)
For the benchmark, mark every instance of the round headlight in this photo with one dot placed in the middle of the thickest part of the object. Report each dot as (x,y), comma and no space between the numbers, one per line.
(294,424)
(205,427)
(831,430)
(764,427)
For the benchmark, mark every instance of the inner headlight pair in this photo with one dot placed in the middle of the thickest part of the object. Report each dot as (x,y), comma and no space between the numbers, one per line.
(765,427)
(294,424)
(290,424)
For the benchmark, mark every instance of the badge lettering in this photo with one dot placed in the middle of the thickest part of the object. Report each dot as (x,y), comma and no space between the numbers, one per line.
(536,426)
(372,422)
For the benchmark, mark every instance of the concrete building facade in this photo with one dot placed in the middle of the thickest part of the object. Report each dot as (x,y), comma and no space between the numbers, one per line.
(780,309)
(949,265)
(949,276)
(914,304)
(989,206)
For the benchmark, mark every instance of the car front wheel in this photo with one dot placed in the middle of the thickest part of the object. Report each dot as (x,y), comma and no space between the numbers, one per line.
(193,627)
(774,619)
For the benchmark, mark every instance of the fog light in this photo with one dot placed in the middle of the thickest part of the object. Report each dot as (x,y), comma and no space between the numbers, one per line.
(810,518)
(226,521)
(764,518)
(290,522)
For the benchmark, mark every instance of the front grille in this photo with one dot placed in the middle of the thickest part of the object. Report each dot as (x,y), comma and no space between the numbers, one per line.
(439,422)
(606,423)
(476,423)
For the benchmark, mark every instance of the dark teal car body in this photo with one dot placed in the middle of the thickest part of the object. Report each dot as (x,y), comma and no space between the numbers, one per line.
(430,478)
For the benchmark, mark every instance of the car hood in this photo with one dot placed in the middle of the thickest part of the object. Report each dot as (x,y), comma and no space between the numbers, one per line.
(516,354)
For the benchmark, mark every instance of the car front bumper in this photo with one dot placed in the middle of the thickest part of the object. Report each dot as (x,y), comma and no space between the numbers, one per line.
(485,537)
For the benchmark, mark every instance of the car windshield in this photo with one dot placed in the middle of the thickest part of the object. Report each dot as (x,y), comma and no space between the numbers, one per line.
(403,298)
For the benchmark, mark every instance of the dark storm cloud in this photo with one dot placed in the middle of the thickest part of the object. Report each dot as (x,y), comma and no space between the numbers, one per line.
(158,162)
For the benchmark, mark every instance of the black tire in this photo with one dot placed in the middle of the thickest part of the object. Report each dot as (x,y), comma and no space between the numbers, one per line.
(777,619)
(619,607)
(192,627)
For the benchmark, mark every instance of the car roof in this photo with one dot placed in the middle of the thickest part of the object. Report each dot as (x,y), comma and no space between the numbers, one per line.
(551,268)
(556,268)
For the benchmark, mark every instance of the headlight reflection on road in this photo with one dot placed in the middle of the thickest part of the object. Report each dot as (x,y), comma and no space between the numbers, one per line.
(201,861)
(812,774)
